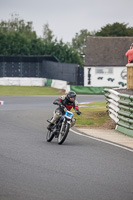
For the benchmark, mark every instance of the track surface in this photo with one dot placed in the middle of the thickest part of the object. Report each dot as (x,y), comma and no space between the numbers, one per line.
(80,169)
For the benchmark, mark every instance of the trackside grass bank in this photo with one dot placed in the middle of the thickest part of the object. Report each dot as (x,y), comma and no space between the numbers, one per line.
(29,90)
(93,115)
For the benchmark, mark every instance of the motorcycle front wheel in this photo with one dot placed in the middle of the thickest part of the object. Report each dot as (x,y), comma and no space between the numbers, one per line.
(49,136)
(63,133)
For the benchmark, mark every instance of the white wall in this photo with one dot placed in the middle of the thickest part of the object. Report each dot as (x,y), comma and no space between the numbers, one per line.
(60,85)
(22,81)
(111,76)
(34,82)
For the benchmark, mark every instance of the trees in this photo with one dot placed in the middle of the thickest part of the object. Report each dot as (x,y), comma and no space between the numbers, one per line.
(17,25)
(13,44)
(67,53)
(110,30)
(47,33)
(17,37)
(64,52)
(115,30)
(79,41)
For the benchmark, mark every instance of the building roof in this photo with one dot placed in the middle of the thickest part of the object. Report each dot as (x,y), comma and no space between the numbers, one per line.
(28,58)
(107,51)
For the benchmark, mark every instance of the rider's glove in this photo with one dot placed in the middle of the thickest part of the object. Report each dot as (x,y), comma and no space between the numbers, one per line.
(63,108)
(57,103)
(78,112)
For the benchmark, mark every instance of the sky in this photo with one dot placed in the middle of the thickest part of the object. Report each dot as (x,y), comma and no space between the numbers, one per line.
(68,17)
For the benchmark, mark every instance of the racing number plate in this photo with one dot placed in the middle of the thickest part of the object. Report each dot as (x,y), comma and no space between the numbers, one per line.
(69,114)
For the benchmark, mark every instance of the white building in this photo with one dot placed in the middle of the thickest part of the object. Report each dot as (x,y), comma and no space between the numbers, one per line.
(105,61)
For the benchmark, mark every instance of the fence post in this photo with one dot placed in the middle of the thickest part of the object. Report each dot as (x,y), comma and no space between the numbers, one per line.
(129,75)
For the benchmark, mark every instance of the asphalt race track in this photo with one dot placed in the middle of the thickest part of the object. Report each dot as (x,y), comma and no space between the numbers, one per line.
(80,169)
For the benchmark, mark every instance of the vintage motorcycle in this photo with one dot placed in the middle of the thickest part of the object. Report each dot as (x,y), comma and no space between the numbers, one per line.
(60,129)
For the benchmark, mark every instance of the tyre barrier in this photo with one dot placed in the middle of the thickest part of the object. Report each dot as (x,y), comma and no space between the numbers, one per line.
(120,109)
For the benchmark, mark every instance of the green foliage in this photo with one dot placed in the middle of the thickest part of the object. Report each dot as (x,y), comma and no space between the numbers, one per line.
(47,33)
(13,44)
(17,25)
(79,41)
(110,30)
(65,53)
(18,38)
(115,30)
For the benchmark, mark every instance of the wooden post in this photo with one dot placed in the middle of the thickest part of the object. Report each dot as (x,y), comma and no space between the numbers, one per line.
(129,75)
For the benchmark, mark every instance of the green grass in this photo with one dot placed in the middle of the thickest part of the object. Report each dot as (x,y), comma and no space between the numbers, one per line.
(28,90)
(94,115)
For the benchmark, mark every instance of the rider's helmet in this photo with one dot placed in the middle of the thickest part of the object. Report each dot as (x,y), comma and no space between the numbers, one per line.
(71,96)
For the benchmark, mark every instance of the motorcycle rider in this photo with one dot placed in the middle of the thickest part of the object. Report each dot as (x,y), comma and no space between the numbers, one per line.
(65,102)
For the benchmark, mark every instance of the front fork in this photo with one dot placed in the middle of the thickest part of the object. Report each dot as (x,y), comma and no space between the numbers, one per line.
(64,124)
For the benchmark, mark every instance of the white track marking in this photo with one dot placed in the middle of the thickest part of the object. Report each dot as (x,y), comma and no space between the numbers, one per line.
(101,140)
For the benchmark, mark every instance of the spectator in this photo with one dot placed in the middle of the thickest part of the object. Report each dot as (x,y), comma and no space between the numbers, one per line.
(129,54)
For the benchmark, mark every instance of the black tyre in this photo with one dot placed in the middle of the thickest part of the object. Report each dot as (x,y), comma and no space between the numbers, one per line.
(49,136)
(63,134)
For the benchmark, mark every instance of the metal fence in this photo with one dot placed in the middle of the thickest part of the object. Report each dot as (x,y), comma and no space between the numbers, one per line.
(41,66)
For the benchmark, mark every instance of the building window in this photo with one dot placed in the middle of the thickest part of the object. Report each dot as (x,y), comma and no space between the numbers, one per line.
(104,70)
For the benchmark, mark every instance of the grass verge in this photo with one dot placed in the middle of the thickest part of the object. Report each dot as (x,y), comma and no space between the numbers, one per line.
(94,115)
(29,90)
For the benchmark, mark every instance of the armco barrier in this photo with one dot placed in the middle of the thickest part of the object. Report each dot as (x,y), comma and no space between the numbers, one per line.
(120,108)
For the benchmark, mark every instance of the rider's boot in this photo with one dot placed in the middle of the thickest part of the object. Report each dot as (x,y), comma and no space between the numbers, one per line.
(54,118)
(50,126)
(52,121)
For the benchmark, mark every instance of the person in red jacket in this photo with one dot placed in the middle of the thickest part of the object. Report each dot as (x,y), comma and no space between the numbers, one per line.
(65,102)
(129,54)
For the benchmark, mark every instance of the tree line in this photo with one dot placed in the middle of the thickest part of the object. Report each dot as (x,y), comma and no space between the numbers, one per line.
(17,38)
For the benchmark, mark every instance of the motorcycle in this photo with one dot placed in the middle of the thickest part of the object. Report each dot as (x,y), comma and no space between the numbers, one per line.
(60,129)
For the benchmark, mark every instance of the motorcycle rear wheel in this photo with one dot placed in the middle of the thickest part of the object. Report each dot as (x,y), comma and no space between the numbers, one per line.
(63,134)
